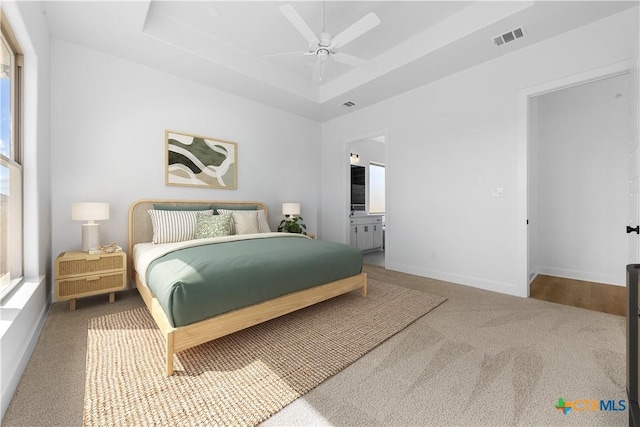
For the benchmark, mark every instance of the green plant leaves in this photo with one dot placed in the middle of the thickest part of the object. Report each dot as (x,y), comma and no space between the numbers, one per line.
(293,225)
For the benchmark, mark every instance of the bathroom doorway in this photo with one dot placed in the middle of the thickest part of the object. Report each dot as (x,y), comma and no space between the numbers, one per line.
(367,202)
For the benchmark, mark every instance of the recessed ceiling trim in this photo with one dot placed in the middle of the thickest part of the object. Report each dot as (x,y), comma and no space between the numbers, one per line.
(464,23)
(116,28)
(181,36)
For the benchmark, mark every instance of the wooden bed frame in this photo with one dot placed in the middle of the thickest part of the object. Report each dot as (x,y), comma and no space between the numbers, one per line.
(184,337)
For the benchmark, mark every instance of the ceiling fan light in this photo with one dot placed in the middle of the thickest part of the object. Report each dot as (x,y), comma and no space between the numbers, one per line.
(323,54)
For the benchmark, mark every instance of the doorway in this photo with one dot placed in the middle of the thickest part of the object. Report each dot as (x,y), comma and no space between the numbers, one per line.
(367,197)
(578,180)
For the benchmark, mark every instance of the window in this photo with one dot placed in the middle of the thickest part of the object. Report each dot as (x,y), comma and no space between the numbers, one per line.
(376,188)
(10,161)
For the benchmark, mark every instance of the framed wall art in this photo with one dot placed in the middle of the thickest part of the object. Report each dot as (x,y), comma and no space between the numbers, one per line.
(200,161)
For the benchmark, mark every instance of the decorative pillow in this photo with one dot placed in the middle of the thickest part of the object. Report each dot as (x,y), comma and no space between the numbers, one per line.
(245,222)
(213,225)
(174,226)
(263,224)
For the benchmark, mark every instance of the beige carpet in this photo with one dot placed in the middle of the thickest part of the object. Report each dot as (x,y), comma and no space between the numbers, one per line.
(481,358)
(243,378)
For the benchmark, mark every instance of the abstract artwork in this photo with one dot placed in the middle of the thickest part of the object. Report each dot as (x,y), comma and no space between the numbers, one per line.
(200,161)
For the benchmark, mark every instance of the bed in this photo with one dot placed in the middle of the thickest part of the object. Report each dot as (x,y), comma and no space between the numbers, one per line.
(259,276)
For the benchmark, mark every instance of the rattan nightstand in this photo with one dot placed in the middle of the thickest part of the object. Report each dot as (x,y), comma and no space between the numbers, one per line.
(78,274)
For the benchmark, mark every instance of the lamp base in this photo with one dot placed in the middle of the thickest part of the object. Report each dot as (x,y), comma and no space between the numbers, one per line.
(90,236)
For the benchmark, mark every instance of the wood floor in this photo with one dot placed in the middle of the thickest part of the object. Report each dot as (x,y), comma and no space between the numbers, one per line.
(592,296)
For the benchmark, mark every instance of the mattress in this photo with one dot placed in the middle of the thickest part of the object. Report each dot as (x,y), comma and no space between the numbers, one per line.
(199,279)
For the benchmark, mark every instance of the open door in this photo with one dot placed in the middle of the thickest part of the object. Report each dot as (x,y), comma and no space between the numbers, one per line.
(633,227)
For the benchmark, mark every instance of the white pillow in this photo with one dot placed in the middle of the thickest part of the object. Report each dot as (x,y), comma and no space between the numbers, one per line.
(263,224)
(174,226)
(245,222)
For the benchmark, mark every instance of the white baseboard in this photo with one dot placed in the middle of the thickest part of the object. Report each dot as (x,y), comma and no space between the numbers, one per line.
(584,275)
(475,282)
(23,317)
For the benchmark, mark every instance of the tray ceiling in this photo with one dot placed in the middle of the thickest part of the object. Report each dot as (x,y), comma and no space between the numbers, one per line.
(223,44)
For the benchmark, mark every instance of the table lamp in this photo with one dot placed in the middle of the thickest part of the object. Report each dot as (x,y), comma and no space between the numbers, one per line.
(290,209)
(90,212)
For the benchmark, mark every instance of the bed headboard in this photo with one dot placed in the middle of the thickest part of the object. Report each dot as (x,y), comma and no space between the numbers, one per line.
(140,229)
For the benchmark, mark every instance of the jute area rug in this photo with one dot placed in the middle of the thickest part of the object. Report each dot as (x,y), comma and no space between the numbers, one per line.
(243,378)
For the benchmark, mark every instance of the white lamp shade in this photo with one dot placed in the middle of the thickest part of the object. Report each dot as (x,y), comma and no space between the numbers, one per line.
(89,211)
(291,209)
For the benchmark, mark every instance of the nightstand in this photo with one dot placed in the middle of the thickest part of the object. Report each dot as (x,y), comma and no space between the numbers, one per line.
(79,274)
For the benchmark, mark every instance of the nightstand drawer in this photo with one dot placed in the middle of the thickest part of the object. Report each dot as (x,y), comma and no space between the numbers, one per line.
(90,285)
(71,264)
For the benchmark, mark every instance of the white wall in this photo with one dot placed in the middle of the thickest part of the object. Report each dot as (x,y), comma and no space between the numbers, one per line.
(583,181)
(23,312)
(450,143)
(109,118)
(369,150)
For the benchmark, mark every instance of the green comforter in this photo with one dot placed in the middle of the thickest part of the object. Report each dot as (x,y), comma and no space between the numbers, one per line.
(198,282)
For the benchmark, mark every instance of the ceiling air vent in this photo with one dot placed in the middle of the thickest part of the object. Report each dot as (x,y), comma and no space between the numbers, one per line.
(348,104)
(508,36)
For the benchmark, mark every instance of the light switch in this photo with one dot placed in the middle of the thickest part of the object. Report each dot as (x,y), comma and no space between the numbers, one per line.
(498,192)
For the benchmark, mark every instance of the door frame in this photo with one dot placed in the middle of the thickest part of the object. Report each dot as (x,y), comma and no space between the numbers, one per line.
(387,184)
(522,178)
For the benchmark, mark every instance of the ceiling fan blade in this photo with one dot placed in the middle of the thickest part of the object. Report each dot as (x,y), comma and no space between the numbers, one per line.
(296,20)
(366,23)
(287,53)
(318,70)
(354,61)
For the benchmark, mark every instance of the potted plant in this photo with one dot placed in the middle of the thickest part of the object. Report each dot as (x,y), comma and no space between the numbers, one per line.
(293,224)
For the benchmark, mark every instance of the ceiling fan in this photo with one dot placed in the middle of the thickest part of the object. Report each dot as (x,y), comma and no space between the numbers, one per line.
(324,45)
